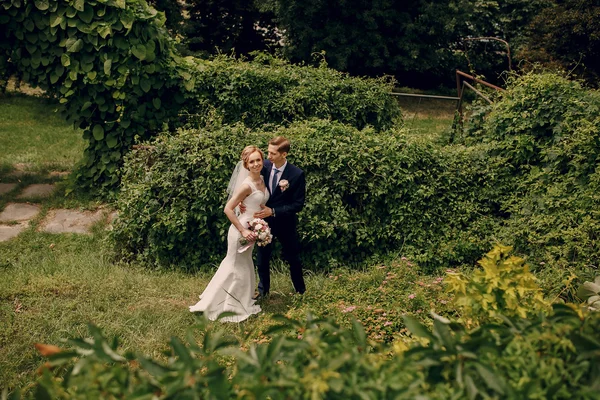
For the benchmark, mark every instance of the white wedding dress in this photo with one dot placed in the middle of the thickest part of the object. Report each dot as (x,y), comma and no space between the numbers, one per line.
(232,286)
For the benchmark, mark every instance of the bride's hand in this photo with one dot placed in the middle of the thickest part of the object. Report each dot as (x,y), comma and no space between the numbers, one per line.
(248,235)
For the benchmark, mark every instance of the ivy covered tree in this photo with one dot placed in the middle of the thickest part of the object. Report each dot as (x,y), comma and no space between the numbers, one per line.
(109,62)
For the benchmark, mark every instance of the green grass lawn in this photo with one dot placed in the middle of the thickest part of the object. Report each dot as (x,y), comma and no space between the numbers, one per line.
(34,137)
(426,117)
(52,286)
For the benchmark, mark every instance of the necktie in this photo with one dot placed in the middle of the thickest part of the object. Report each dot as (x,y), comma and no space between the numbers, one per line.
(274,180)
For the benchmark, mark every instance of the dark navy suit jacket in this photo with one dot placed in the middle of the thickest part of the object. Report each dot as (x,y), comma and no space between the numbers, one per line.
(290,202)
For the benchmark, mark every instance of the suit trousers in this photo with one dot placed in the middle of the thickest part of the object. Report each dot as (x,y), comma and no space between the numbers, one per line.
(285,232)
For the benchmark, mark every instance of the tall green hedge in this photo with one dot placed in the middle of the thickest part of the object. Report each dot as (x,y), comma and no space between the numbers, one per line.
(367,193)
(544,133)
(271,91)
(118,77)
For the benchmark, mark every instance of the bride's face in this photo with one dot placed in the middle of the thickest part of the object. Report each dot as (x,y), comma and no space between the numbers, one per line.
(255,162)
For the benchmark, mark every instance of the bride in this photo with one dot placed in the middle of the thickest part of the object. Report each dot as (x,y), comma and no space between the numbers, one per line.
(232,287)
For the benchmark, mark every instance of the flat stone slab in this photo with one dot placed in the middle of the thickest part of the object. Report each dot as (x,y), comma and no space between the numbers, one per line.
(6,187)
(37,190)
(8,232)
(70,221)
(19,212)
(60,174)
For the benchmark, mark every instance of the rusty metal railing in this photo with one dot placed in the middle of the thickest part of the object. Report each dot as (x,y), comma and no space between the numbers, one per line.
(461,83)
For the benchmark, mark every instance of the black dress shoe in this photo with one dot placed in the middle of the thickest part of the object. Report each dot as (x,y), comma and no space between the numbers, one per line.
(258,296)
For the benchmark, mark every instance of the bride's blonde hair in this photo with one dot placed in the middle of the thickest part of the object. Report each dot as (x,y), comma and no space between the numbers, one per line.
(247,152)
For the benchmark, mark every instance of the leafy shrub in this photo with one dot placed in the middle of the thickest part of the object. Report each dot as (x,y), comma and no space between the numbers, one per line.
(544,136)
(534,112)
(503,285)
(367,193)
(271,91)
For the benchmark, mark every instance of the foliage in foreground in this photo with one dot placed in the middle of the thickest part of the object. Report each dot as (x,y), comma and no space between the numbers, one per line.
(551,354)
(367,192)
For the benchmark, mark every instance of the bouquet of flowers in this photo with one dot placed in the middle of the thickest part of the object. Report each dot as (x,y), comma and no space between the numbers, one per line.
(262,231)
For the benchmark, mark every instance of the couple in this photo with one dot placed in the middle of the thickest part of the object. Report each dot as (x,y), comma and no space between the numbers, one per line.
(273,190)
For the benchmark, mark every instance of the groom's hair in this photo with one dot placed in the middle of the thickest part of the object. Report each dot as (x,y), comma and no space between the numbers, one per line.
(283,145)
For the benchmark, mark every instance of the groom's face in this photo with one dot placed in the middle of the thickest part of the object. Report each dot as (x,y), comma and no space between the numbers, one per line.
(275,156)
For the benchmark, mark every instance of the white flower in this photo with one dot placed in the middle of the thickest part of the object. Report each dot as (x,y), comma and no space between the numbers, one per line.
(284,184)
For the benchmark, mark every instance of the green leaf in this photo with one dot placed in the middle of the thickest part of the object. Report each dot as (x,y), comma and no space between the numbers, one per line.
(139,51)
(98,132)
(359,333)
(156,102)
(55,20)
(74,45)
(42,4)
(443,333)
(111,141)
(416,328)
(79,5)
(181,351)
(65,59)
(152,367)
(492,381)
(127,19)
(107,66)
(145,85)
(104,31)
(87,15)
(471,388)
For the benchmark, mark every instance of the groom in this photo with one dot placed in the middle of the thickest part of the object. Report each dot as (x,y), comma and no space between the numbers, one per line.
(287,186)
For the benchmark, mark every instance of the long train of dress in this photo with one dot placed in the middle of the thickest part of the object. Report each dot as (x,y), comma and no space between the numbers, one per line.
(232,287)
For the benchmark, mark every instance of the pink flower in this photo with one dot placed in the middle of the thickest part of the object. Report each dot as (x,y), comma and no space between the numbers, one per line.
(411,296)
(387,323)
(403,258)
(284,184)
(349,309)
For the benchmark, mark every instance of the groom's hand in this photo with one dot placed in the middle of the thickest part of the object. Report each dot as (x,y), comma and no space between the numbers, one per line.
(264,212)
(242,207)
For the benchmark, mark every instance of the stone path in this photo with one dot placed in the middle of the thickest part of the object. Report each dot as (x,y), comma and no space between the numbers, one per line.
(16,217)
